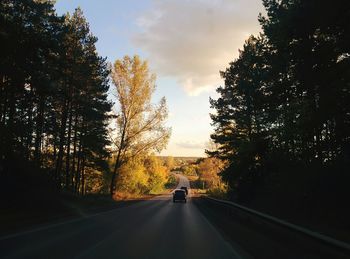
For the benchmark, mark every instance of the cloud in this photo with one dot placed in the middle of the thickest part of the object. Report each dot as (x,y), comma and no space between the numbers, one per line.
(191,145)
(192,40)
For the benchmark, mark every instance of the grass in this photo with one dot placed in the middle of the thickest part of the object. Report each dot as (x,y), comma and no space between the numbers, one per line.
(32,211)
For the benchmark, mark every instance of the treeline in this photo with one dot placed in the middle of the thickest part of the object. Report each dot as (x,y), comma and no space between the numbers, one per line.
(204,173)
(282,119)
(142,175)
(53,95)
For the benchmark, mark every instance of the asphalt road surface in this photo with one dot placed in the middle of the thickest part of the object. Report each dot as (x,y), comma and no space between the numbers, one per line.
(156,228)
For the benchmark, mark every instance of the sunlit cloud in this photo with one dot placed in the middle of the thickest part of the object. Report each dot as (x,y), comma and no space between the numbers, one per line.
(192,40)
(191,145)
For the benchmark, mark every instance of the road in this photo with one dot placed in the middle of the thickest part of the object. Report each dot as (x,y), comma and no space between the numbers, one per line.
(156,228)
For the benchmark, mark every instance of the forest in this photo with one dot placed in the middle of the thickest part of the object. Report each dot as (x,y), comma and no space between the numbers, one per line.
(53,95)
(56,116)
(282,118)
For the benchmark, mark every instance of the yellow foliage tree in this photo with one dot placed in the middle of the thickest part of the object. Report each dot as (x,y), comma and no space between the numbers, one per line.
(170,162)
(208,170)
(157,174)
(132,177)
(140,125)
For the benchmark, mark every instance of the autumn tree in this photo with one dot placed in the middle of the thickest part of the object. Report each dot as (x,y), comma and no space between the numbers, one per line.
(157,174)
(140,124)
(208,171)
(132,178)
(169,162)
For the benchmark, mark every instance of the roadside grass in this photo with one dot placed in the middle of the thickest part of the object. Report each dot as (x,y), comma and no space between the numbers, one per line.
(33,211)
(126,196)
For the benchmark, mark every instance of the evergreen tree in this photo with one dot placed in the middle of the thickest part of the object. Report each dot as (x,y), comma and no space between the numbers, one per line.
(285,102)
(53,94)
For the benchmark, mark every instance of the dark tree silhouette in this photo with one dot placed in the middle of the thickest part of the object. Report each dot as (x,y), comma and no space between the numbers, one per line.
(282,118)
(53,94)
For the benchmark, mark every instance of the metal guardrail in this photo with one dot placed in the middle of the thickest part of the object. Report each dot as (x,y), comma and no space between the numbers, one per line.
(318,236)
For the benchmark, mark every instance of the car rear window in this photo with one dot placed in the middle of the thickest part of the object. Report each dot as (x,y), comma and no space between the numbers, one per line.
(179,192)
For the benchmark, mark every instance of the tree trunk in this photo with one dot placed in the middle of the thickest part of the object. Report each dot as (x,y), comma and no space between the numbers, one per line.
(29,124)
(9,127)
(3,111)
(73,171)
(117,162)
(54,147)
(77,172)
(68,145)
(60,148)
(83,177)
(39,130)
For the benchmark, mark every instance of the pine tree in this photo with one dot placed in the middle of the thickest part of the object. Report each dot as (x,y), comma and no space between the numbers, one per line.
(53,94)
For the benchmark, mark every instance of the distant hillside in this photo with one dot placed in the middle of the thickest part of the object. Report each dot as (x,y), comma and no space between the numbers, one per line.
(182,158)
(179,160)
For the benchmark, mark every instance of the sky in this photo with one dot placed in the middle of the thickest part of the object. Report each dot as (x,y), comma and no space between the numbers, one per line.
(186,42)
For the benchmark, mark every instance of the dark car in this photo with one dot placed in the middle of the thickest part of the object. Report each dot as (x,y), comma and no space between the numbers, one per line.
(185,189)
(179,195)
